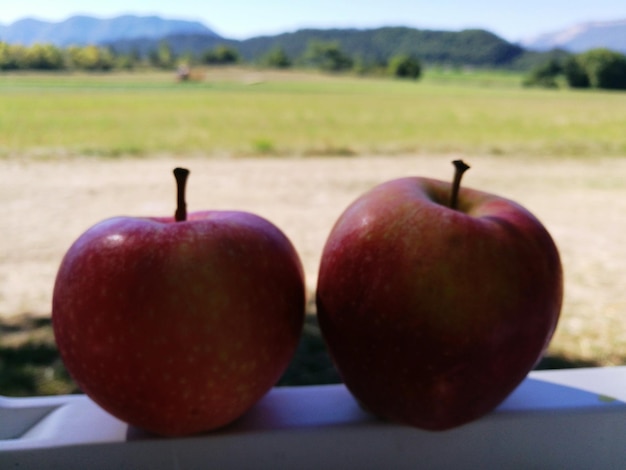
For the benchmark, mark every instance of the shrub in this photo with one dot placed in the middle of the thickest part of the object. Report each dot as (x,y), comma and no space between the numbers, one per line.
(276,58)
(327,56)
(545,75)
(221,55)
(575,73)
(604,68)
(405,66)
(44,57)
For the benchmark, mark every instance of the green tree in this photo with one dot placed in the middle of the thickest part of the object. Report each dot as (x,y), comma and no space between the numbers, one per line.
(91,58)
(545,75)
(125,62)
(7,61)
(327,56)
(276,58)
(221,55)
(605,68)
(44,57)
(405,66)
(162,57)
(12,56)
(575,74)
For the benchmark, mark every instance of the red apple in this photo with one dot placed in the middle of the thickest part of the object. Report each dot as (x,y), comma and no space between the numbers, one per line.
(432,314)
(179,325)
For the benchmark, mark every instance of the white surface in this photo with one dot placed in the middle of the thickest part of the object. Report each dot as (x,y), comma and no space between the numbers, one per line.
(555,419)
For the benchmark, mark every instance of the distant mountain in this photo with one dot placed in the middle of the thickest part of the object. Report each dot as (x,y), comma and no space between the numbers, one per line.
(83,30)
(470,47)
(371,47)
(582,37)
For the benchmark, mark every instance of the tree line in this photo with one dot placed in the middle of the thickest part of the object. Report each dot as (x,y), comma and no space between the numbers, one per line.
(377,50)
(327,56)
(596,68)
(50,57)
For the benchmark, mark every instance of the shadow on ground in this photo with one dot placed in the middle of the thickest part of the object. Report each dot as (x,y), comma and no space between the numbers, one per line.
(29,360)
(30,364)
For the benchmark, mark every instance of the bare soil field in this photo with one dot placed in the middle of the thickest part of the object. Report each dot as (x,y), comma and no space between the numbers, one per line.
(47,204)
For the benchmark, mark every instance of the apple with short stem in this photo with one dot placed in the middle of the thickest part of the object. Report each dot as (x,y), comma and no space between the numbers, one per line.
(179,325)
(436,301)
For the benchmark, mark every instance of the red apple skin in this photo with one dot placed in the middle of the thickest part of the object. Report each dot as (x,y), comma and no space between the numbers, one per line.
(179,327)
(433,316)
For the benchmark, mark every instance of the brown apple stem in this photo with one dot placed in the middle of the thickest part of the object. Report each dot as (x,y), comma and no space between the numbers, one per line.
(460,167)
(181,175)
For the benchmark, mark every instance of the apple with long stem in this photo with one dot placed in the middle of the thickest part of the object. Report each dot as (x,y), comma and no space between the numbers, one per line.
(436,301)
(179,325)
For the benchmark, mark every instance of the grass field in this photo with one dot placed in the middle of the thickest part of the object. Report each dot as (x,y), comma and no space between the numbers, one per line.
(237,112)
(559,152)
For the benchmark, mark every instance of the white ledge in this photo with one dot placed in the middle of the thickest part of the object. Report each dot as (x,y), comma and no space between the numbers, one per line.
(555,419)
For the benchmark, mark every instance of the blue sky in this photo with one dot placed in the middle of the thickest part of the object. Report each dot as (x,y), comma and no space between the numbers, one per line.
(239,19)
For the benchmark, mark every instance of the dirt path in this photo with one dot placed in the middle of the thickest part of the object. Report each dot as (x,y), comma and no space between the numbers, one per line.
(46,205)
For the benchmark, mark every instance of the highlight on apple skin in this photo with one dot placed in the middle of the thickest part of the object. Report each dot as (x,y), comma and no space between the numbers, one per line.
(434,315)
(179,325)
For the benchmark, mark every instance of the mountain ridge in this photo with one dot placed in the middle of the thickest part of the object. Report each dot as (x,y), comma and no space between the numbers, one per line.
(582,37)
(369,46)
(88,29)
(82,30)
(133,34)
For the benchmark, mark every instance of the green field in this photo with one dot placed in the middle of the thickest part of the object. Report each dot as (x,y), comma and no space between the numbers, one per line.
(249,112)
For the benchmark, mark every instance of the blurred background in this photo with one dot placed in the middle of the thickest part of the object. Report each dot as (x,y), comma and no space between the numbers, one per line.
(292,111)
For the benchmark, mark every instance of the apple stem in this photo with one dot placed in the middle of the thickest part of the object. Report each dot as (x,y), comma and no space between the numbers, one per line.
(460,167)
(181,175)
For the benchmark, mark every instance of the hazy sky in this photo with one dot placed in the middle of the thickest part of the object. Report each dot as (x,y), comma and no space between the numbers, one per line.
(239,19)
